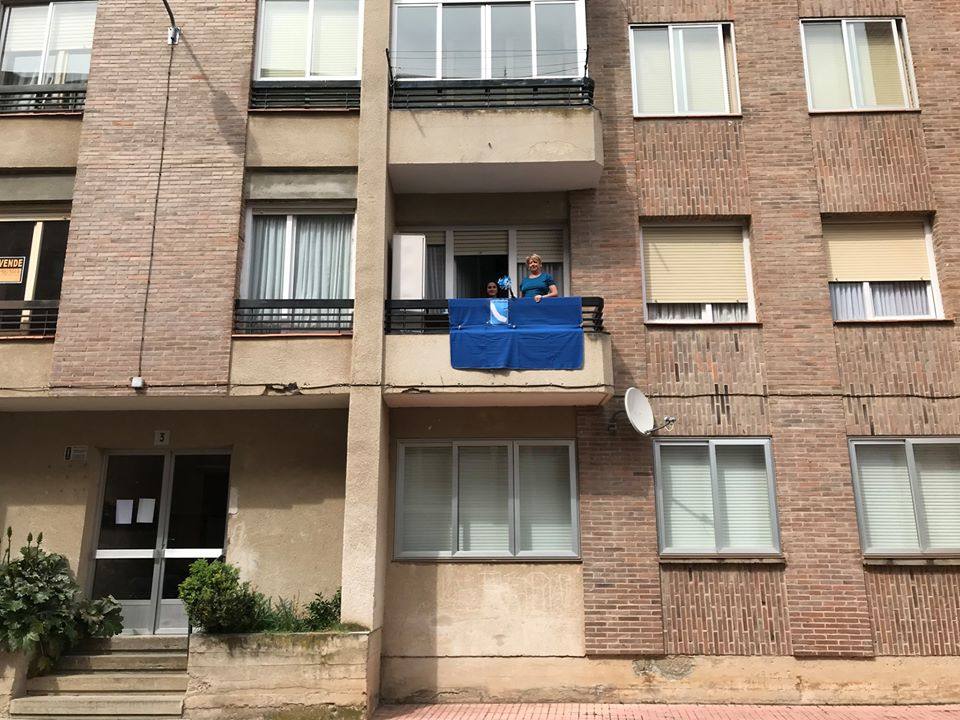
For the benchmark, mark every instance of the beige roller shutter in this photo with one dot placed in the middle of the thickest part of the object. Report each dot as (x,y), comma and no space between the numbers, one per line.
(883,251)
(694,264)
(436,237)
(547,243)
(483,241)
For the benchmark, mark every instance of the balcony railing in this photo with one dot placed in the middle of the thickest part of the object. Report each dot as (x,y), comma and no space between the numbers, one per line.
(273,317)
(476,94)
(404,317)
(29,318)
(42,98)
(306,95)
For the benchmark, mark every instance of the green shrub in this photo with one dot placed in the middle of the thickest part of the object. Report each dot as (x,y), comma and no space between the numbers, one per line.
(217,602)
(324,614)
(42,610)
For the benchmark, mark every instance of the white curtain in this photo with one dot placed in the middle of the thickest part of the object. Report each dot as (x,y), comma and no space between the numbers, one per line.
(336,26)
(674,311)
(886,499)
(436,261)
(23,46)
(545,522)
(484,499)
(323,259)
(283,38)
(687,494)
(730,312)
(846,299)
(265,271)
(745,494)
(70,43)
(938,470)
(900,299)
(427,501)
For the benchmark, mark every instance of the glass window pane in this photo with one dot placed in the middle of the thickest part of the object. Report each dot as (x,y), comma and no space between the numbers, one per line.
(461,42)
(133,484)
(675,312)
(557,40)
(16,241)
(510,41)
(827,66)
(877,68)
(415,54)
(283,38)
(336,26)
(427,501)
(546,524)
(71,39)
(265,257)
(687,499)
(653,78)
(900,299)
(198,503)
(323,257)
(702,54)
(124,579)
(175,571)
(731,312)
(23,45)
(846,298)
(484,499)
(53,252)
(938,471)
(745,492)
(887,503)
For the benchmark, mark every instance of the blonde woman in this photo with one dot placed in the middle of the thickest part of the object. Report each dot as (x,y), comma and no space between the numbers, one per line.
(538,284)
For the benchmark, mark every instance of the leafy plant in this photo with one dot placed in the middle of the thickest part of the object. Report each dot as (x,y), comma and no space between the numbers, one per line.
(324,614)
(42,610)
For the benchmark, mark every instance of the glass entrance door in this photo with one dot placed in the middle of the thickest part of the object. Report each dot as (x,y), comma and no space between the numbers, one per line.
(160,512)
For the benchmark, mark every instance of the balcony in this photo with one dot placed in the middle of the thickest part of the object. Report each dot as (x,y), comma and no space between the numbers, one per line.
(284,317)
(477,94)
(42,98)
(418,372)
(29,318)
(305,95)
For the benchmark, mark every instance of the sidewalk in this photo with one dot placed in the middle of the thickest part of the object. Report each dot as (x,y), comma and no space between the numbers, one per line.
(543,711)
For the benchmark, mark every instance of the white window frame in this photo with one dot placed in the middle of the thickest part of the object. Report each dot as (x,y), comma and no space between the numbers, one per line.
(719,511)
(307,77)
(934,298)
(288,246)
(706,318)
(485,37)
(680,72)
(919,510)
(5,22)
(908,79)
(513,511)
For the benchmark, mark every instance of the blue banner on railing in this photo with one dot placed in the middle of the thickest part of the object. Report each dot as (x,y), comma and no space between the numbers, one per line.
(517,334)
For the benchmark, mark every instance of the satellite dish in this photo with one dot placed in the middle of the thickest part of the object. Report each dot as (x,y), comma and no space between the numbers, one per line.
(639,411)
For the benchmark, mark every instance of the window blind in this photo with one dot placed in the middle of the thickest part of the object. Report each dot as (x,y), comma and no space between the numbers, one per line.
(26,28)
(886,499)
(702,63)
(427,507)
(543,497)
(694,264)
(335,29)
(827,66)
(482,241)
(72,26)
(653,71)
(484,492)
(745,496)
(938,471)
(887,251)
(547,243)
(688,498)
(283,47)
(878,78)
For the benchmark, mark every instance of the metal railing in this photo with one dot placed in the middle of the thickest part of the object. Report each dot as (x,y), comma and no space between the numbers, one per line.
(30,318)
(42,98)
(478,94)
(272,317)
(306,95)
(430,316)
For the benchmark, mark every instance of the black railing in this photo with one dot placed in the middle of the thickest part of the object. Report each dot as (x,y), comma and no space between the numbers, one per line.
(305,95)
(430,316)
(32,318)
(270,317)
(466,94)
(42,98)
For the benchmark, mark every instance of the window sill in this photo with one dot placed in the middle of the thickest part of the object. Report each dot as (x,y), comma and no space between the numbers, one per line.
(726,560)
(947,560)
(27,338)
(704,116)
(903,321)
(490,560)
(866,111)
(675,325)
(274,336)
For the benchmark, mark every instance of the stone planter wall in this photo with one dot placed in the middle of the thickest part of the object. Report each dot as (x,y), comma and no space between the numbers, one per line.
(13,676)
(302,676)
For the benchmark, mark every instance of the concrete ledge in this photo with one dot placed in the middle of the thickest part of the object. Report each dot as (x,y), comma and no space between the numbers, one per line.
(304,140)
(315,675)
(321,363)
(39,142)
(25,364)
(13,679)
(675,679)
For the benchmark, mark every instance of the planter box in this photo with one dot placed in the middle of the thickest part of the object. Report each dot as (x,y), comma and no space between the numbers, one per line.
(13,677)
(298,676)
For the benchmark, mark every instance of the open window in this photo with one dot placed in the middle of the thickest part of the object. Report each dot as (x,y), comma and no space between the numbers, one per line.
(32,254)
(47,44)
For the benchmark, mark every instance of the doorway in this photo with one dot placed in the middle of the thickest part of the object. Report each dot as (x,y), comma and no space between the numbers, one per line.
(159,512)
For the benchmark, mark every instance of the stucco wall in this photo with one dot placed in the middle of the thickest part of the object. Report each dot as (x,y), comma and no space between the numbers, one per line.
(287,472)
(24,364)
(39,142)
(308,362)
(290,140)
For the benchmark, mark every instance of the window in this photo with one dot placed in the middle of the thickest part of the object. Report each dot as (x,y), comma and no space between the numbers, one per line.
(716,497)
(32,254)
(299,256)
(684,70)
(487,499)
(881,271)
(858,65)
(697,274)
(309,40)
(493,40)
(908,496)
(47,44)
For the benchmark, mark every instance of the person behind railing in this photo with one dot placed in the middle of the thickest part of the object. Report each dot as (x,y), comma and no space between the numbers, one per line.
(494,291)
(538,284)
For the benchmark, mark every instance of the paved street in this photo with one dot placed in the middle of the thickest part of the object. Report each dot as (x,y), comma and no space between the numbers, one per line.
(534,711)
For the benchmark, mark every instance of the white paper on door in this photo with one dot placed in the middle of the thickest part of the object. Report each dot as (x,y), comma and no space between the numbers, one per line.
(124,512)
(145,508)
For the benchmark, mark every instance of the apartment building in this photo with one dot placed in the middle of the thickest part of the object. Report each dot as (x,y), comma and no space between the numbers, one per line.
(224,267)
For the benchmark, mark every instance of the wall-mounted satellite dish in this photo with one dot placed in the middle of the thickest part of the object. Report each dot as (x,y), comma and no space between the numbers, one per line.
(639,411)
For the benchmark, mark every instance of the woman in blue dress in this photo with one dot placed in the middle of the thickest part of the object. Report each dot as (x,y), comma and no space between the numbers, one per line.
(538,284)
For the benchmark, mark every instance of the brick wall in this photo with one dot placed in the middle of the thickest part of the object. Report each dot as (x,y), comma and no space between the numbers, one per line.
(796,377)
(191,287)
